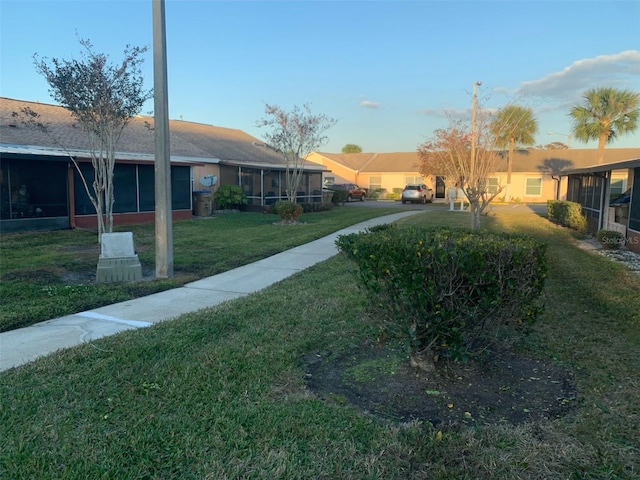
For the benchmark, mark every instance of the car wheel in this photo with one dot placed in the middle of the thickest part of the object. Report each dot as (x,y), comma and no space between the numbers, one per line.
(423,200)
(348,198)
(362,199)
(404,201)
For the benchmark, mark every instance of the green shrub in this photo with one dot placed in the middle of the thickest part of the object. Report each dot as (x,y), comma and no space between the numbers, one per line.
(316,207)
(339,197)
(610,239)
(397,193)
(375,193)
(230,196)
(567,214)
(448,291)
(288,211)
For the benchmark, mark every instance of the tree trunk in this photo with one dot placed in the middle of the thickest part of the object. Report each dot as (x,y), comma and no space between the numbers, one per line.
(474,207)
(424,360)
(602,141)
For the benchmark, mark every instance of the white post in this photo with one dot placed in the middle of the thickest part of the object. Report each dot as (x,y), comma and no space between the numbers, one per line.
(451,194)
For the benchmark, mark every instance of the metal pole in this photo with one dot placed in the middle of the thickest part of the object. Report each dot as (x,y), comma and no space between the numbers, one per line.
(568,135)
(164,227)
(473,131)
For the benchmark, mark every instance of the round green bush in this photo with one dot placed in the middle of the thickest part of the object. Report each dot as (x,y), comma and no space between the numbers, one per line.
(447,291)
(610,239)
(288,211)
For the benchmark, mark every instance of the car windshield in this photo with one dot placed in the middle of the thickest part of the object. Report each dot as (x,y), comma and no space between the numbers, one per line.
(413,187)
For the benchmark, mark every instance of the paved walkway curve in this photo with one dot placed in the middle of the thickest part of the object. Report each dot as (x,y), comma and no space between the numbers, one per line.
(26,344)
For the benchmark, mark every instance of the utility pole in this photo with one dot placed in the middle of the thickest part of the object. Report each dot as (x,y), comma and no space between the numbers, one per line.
(473,131)
(566,134)
(162,170)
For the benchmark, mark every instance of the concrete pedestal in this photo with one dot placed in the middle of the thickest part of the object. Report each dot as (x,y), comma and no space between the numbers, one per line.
(118,261)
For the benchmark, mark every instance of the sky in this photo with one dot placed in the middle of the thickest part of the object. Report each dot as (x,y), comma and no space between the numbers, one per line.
(389,72)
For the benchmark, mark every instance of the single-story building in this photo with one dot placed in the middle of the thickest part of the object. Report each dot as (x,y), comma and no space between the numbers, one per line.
(592,188)
(536,174)
(41,189)
(374,171)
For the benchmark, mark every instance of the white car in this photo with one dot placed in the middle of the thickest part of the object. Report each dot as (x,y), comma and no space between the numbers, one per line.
(419,193)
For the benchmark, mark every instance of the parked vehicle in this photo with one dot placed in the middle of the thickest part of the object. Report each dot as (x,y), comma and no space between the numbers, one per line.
(418,193)
(354,191)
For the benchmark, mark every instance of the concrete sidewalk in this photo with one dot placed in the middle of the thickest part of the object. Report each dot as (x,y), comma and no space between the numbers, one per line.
(26,344)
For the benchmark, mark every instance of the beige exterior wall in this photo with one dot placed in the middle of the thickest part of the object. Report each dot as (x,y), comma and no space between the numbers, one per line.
(518,190)
(338,173)
(623,176)
(523,184)
(201,170)
(389,181)
(342,174)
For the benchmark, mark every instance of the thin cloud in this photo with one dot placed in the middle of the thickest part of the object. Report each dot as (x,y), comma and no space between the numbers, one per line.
(369,104)
(618,70)
(446,112)
(453,113)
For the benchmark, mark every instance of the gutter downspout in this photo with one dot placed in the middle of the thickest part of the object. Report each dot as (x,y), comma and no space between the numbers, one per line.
(557,179)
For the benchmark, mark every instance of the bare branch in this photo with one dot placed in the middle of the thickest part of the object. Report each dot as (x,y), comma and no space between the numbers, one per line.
(294,134)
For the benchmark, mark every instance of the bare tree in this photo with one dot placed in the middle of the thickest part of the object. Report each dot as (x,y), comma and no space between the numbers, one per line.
(103,98)
(295,134)
(448,153)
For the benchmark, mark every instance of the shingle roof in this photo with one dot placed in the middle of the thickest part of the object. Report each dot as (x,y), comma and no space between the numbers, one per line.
(187,139)
(377,162)
(544,161)
(557,161)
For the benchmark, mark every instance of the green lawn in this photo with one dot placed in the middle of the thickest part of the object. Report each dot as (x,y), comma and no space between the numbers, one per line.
(220,394)
(51,274)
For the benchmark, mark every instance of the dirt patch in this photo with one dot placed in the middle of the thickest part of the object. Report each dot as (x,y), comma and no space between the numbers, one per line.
(504,387)
(88,278)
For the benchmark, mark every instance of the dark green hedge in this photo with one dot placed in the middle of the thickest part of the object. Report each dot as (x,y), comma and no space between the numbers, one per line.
(316,207)
(567,214)
(447,290)
(340,197)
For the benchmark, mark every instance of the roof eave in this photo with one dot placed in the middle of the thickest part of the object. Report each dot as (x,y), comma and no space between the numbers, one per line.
(604,167)
(122,156)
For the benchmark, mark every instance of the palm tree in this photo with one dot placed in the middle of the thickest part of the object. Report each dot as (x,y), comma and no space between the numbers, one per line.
(605,114)
(513,125)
